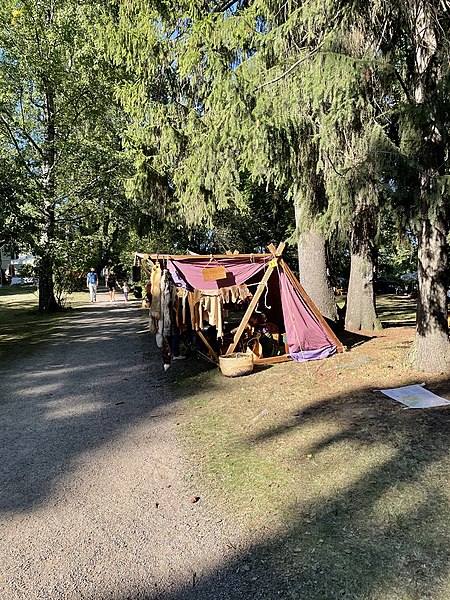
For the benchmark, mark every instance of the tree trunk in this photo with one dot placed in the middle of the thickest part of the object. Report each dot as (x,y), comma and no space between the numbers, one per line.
(47,300)
(361,310)
(431,348)
(313,272)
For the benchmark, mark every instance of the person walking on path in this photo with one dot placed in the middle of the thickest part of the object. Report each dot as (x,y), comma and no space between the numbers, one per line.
(92,283)
(126,290)
(111,283)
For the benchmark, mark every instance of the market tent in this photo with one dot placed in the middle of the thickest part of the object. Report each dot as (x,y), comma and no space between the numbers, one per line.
(308,335)
(192,273)
(306,332)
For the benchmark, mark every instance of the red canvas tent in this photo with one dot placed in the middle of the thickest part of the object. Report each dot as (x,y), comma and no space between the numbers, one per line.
(307,334)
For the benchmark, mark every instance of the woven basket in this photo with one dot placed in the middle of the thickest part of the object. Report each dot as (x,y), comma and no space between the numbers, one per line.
(236,364)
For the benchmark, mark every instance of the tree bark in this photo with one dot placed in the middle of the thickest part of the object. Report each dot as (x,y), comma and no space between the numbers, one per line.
(361,312)
(431,351)
(313,271)
(47,300)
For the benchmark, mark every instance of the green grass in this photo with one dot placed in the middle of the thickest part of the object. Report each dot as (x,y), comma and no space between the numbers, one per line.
(22,328)
(396,309)
(343,492)
(392,308)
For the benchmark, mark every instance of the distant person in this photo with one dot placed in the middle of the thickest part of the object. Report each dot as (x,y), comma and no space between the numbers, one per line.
(92,283)
(111,283)
(126,290)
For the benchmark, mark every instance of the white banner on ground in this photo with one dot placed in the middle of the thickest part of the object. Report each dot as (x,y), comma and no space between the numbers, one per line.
(415,396)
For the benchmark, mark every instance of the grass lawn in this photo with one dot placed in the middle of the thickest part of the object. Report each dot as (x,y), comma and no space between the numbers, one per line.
(343,492)
(393,309)
(338,490)
(22,327)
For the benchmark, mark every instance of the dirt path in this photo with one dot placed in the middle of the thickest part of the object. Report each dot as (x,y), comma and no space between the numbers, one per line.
(94,498)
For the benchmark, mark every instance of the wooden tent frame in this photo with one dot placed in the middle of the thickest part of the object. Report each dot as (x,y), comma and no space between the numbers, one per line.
(276,254)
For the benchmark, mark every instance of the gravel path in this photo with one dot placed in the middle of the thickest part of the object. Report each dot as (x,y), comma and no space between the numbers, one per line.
(94,498)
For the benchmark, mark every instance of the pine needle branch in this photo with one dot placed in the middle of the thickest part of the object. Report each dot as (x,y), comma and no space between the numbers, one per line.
(291,68)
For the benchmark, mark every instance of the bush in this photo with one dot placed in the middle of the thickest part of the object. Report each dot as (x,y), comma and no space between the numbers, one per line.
(26,271)
(67,282)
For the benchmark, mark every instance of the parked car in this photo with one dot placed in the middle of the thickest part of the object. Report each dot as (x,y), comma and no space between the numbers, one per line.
(24,280)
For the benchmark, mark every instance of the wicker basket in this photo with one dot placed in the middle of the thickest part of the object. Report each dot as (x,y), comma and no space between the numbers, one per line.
(236,364)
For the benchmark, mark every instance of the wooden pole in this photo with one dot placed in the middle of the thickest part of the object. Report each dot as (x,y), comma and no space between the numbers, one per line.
(259,290)
(277,251)
(208,345)
(202,256)
(250,309)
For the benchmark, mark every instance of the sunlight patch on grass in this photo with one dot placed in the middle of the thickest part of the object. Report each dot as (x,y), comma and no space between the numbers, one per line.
(247,482)
(396,309)
(22,327)
(346,491)
(299,467)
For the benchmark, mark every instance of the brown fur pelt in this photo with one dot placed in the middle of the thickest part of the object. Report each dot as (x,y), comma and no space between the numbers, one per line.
(155,308)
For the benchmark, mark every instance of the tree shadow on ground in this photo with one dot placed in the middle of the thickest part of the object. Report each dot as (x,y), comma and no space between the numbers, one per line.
(388,324)
(90,382)
(383,534)
(350,339)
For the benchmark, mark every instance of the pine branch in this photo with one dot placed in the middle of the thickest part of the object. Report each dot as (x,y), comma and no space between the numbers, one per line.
(225,6)
(291,68)
(403,86)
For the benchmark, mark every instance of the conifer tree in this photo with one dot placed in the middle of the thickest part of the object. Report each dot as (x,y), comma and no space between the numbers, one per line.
(207,120)
(414,42)
(262,86)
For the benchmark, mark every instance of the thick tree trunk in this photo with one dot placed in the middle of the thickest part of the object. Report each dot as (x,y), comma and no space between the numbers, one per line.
(313,272)
(361,312)
(431,351)
(47,300)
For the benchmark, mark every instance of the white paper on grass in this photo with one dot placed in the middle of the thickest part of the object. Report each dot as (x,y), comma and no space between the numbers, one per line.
(415,396)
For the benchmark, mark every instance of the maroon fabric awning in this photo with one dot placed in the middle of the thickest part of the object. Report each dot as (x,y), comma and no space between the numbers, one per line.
(303,330)
(188,273)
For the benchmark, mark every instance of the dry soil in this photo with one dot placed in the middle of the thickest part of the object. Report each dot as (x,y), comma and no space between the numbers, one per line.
(96,498)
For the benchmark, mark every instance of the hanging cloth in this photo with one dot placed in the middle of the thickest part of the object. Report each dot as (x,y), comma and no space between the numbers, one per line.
(155,308)
(194,306)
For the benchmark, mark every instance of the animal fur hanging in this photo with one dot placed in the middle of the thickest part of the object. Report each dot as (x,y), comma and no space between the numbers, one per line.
(155,308)
(160,317)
